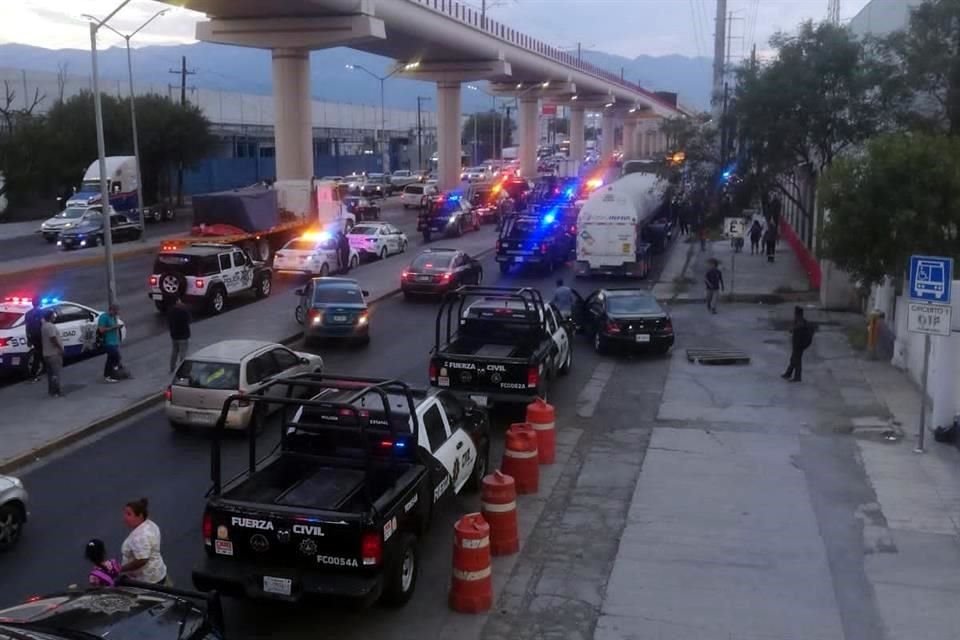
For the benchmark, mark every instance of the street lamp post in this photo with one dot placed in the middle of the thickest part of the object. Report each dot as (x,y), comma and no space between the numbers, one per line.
(381,135)
(420,133)
(102,158)
(133,114)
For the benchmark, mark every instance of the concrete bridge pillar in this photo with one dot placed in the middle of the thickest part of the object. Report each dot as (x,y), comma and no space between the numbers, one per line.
(448,134)
(293,121)
(629,140)
(577,117)
(529,134)
(608,140)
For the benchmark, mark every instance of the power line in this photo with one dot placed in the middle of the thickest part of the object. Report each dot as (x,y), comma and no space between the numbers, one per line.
(696,29)
(182,71)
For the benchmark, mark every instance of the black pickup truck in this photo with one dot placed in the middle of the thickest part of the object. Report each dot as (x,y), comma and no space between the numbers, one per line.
(449,214)
(337,507)
(534,240)
(497,344)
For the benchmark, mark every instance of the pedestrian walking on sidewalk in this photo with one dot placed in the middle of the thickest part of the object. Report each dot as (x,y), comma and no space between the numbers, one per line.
(801,337)
(178,321)
(140,552)
(108,326)
(52,349)
(714,283)
(756,232)
(33,322)
(770,241)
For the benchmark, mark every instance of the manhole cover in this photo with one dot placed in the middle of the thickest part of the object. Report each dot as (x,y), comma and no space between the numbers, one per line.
(717,356)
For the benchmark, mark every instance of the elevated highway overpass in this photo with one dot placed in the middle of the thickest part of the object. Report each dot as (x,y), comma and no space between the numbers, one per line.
(443,41)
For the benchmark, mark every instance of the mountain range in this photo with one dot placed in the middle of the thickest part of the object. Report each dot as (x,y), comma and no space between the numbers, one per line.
(246,70)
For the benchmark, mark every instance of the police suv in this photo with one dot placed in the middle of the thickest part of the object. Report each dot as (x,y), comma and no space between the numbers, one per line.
(207,274)
(76,323)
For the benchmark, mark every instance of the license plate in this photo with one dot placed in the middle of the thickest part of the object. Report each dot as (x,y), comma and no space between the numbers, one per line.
(200,418)
(443,381)
(223,547)
(279,586)
(518,258)
(424,278)
(339,318)
(15,360)
(480,400)
(156,296)
(643,337)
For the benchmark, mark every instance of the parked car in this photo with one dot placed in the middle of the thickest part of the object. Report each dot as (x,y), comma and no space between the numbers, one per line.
(402,177)
(333,308)
(209,376)
(13,511)
(129,611)
(436,271)
(417,195)
(624,318)
(378,239)
(312,254)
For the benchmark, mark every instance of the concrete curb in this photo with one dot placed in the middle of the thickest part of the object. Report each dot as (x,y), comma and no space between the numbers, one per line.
(749,298)
(137,406)
(80,262)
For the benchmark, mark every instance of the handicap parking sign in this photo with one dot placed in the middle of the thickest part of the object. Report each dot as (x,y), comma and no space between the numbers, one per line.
(930,278)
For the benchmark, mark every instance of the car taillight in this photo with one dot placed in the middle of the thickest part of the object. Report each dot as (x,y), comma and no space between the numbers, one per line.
(533,377)
(499,245)
(5,342)
(371,549)
(199,283)
(154,281)
(167,393)
(404,275)
(613,327)
(446,276)
(434,371)
(668,325)
(207,529)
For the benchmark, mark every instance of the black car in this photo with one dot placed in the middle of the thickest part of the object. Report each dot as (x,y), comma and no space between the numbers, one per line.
(436,271)
(362,208)
(89,232)
(491,203)
(133,611)
(447,215)
(376,185)
(624,318)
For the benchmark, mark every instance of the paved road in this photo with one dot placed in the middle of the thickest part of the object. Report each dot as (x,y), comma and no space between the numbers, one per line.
(80,493)
(16,248)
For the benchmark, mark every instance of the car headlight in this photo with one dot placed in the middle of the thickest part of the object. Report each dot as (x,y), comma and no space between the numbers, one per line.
(17,482)
(452,218)
(69,225)
(362,320)
(317,319)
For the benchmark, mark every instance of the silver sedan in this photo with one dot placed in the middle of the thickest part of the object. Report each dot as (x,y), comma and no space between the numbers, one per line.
(13,511)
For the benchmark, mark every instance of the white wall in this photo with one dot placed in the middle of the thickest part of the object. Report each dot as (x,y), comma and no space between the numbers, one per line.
(880,17)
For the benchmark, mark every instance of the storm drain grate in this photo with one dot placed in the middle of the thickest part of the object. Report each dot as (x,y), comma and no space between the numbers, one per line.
(717,356)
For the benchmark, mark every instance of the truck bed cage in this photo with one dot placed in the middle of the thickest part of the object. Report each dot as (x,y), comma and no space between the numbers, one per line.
(357,418)
(456,300)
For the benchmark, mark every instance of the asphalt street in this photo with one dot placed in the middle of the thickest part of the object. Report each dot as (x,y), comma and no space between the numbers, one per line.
(80,492)
(16,248)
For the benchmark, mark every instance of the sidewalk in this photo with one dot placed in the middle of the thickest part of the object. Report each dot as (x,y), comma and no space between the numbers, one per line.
(34,424)
(767,509)
(12,230)
(748,278)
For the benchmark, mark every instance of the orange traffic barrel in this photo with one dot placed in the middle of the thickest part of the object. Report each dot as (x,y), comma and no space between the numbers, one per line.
(471,590)
(541,416)
(520,458)
(499,508)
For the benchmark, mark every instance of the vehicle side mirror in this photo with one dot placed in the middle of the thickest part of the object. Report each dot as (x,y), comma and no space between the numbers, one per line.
(365,293)
(304,361)
(298,292)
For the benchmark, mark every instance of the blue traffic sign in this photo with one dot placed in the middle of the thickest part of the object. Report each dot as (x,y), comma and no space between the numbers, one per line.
(930,279)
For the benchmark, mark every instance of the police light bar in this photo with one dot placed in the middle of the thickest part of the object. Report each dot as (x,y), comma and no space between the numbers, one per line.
(316,236)
(18,300)
(45,301)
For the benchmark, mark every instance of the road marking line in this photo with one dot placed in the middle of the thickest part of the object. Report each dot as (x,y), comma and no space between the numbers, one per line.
(593,390)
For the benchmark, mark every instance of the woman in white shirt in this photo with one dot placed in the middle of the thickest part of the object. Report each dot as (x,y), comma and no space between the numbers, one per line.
(140,552)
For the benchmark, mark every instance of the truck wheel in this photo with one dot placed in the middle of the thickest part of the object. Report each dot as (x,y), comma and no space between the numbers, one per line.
(173,285)
(217,301)
(169,213)
(475,481)
(402,578)
(263,287)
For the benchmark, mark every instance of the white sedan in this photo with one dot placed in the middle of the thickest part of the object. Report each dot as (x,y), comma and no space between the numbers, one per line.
(378,239)
(76,323)
(312,254)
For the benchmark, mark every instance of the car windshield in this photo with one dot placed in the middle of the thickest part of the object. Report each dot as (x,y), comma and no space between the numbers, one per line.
(522,227)
(627,304)
(337,295)
(364,230)
(186,265)
(208,375)
(414,188)
(71,213)
(432,262)
(9,319)
(309,245)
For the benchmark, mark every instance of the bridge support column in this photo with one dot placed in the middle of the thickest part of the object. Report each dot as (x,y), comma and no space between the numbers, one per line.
(630,140)
(293,124)
(577,117)
(528,136)
(608,139)
(448,134)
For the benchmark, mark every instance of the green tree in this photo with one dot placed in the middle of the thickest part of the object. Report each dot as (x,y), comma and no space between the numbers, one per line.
(901,196)
(485,123)
(927,54)
(823,94)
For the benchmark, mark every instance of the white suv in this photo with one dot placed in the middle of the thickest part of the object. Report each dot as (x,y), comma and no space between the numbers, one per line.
(207,274)
(417,195)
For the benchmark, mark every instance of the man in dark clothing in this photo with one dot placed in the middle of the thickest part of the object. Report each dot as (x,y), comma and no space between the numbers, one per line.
(770,240)
(801,337)
(714,283)
(756,232)
(178,321)
(343,250)
(33,321)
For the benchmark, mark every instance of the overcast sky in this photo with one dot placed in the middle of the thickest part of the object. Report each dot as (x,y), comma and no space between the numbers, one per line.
(624,27)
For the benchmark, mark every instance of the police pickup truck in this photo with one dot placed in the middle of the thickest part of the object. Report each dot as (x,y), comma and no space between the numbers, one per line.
(536,239)
(496,344)
(338,507)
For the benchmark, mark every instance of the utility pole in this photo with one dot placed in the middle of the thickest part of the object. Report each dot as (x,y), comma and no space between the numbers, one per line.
(182,71)
(420,99)
(578,53)
(719,45)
